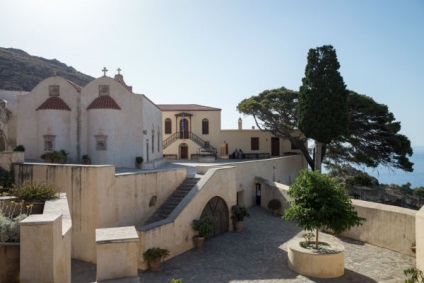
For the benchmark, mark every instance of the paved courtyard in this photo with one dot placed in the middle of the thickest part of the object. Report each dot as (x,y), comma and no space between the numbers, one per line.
(258,255)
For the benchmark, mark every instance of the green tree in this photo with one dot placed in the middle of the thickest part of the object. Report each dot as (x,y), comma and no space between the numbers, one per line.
(372,137)
(319,202)
(322,100)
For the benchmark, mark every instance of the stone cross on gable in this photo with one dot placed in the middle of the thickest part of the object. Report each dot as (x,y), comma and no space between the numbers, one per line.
(119,71)
(104,71)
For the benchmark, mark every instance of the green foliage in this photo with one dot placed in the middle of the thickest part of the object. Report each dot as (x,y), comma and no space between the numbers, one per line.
(373,137)
(239,212)
(204,226)
(19,148)
(155,253)
(7,178)
(319,202)
(274,204)
(35,191)
(9,225)
(54,156)
(415,275)
(139,159)
(322,97)
(419,192)
(361,179)
(176,280)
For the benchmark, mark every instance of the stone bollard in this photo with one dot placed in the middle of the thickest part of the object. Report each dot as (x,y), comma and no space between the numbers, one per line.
(117,254)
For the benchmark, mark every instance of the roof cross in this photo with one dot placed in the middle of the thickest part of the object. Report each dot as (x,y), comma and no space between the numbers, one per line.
(119,71)
(104,71)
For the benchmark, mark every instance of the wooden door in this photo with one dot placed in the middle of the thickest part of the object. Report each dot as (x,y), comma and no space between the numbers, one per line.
(218,210)
(275,146)
(184,126)
(183,151)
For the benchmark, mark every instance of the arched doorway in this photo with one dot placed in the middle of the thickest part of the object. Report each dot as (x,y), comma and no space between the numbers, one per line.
(183,151)
(218,210)
(184,129)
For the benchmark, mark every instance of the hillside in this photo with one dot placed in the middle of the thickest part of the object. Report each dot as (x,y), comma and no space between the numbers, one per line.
(21,71)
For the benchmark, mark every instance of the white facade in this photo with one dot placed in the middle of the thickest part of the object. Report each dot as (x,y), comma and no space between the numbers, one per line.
(104,120)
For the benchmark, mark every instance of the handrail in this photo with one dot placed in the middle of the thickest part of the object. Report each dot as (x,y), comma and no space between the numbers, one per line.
(196,139)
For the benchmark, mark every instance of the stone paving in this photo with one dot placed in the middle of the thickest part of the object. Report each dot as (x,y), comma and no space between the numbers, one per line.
(258,255)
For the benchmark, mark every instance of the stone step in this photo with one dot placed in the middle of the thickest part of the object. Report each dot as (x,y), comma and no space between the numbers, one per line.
(173,200)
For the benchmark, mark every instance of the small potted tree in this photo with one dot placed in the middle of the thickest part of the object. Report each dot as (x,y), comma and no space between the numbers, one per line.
(319,203)
(275,206)
(86,159)
(138,162)
(204,227)
(154,256)
(239,212)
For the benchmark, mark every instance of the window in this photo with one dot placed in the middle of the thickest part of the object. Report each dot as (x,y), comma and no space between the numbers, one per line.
(153,141)
(103,90)
(158,140)
(49,142)
(254,143)
(101,142)
(54,90)
(205,127)
(168,126)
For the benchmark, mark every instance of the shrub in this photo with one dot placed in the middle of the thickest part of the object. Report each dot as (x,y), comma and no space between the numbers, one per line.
(9,225)
(19,148)
(55,156)
(274,204)
(204,226)
(239,213)
(155,253)
(139,159)
(35,191)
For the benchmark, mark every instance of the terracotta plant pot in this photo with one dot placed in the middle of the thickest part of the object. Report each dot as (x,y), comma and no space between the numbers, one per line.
(198,241)
(155,264)
(239,226)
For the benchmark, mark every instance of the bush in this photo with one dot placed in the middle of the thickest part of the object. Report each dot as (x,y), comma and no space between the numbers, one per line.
(139,159)
(54,156)
(19,148)
(274,204)
(204,226)
(239,213)
(7,177)
(35,191)
(9,225)
(155,253)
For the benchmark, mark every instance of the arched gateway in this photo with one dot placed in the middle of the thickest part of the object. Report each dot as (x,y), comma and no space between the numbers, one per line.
(218,210)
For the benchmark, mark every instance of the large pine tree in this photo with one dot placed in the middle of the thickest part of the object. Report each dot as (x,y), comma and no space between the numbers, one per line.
(323,104)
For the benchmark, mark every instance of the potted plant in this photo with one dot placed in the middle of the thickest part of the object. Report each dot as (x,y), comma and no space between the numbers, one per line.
(154,256)
(319,203)
(239,212)
(19,148)
(86,159)
(275,206)
(9,241)
(54,156)
(34,193)
(138,162)
(204,227)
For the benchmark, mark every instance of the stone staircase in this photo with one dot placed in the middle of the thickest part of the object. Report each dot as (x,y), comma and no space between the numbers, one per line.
(173,200)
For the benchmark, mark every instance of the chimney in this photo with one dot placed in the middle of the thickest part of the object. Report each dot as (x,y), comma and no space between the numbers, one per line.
(240,124)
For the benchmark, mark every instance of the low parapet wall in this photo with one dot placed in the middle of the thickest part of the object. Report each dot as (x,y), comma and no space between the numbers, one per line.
(46,244)
(387,226)
(419,232)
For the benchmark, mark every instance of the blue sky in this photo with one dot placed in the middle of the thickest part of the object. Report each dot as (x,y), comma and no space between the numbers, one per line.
(217,53)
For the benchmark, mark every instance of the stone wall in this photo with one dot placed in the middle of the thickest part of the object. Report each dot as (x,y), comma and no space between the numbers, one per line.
(176,233)
(46,244)
(99,198)
(9,157)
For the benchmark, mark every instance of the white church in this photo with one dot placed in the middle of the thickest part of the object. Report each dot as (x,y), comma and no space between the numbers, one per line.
(104,120)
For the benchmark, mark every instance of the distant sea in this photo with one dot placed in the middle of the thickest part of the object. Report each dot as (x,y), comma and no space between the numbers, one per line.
(400,177)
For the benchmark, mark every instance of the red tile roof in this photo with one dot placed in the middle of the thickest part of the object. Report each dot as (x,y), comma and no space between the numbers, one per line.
(186,107)
(54,103)
(103,102)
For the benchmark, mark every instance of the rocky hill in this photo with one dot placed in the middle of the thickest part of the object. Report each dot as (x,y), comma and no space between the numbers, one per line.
(21,71)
